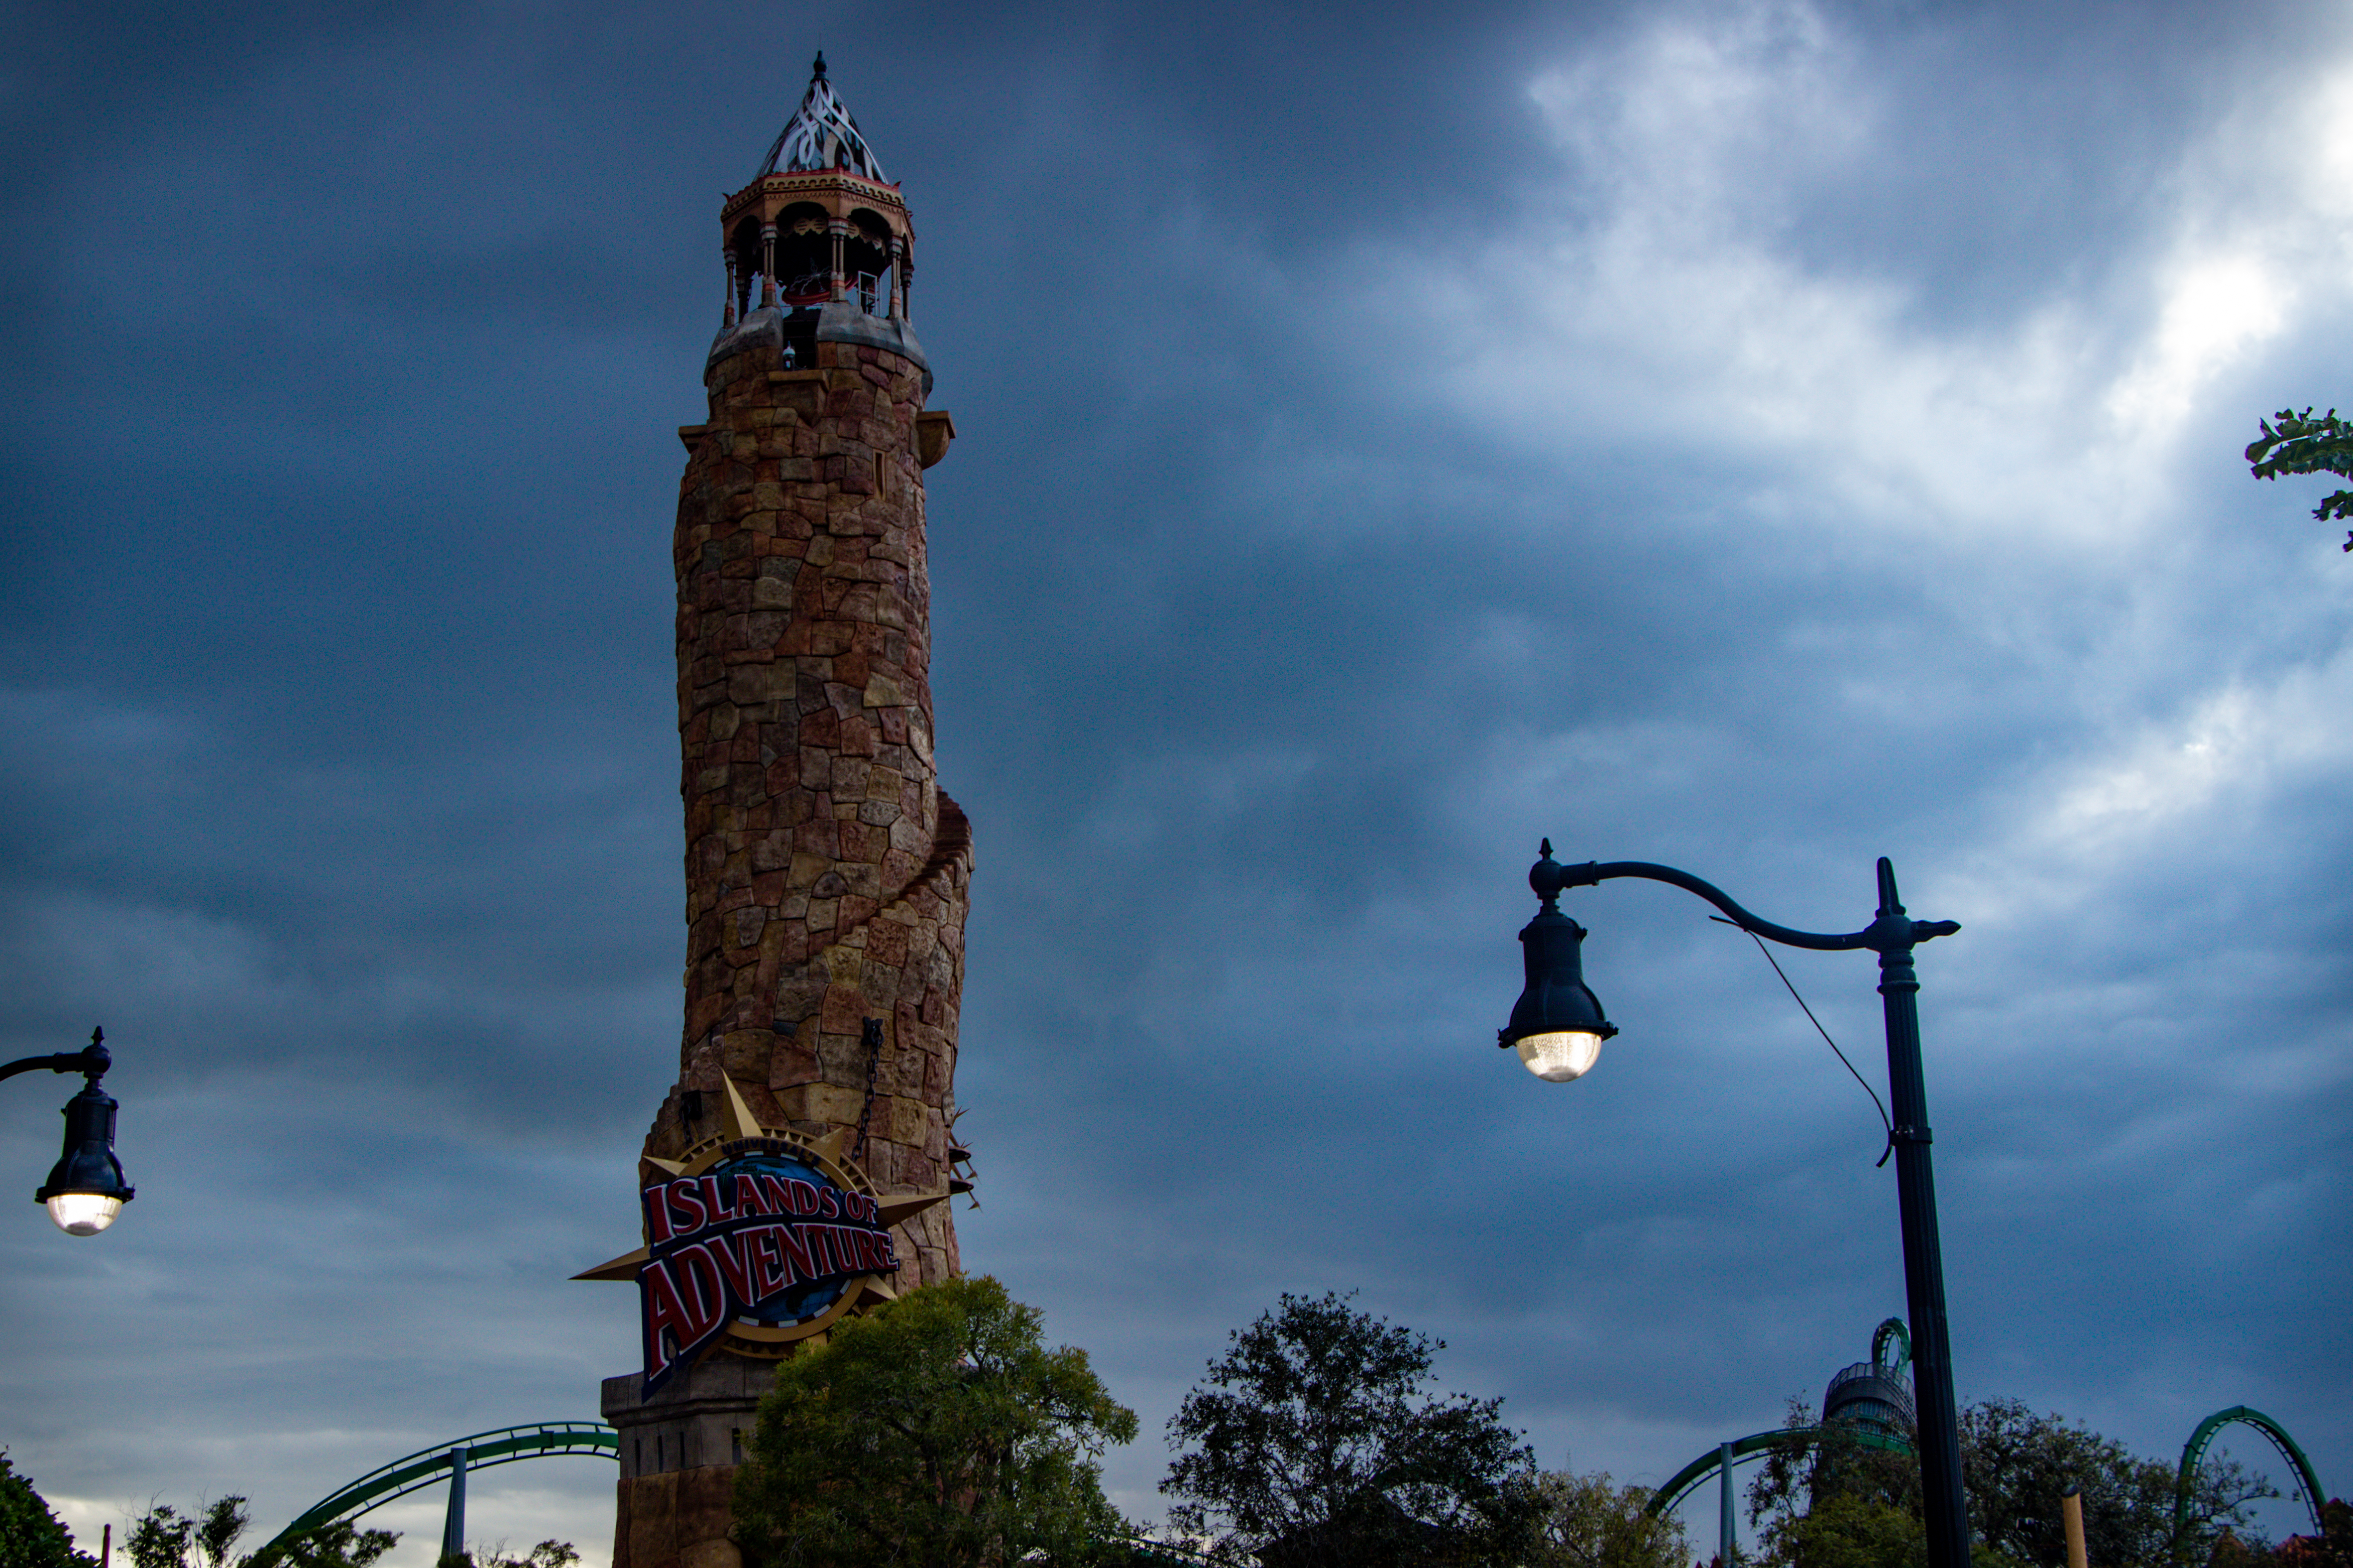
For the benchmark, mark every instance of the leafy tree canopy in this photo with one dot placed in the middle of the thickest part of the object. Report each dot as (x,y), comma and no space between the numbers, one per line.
(1589,1521)
(343,1545)
(30,1535)
(2295,443)
(1833,1503)
(164,1537)
(546,1554)
(1313,1441)
(939,1430)
(2332,1548)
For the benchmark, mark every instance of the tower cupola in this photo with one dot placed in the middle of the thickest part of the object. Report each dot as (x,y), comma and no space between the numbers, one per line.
(820,246)
(821,136)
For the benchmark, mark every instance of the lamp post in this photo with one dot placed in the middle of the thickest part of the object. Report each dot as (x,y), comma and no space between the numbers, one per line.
(84,1190)
(1557,1028)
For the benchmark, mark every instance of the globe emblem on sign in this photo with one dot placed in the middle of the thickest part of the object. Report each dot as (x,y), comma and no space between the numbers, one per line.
(800,1306)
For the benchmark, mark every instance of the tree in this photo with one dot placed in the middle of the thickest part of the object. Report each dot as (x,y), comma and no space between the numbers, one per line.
(1843,1531)
(30,1535)
(1832,1500)
(938,1429)
(2017,1464)
(1589,1521)
(2332,1548)
(1312,1441)
(546,1554)
(164,1537)
(340,1545)
(1835,1502)
(2299,444)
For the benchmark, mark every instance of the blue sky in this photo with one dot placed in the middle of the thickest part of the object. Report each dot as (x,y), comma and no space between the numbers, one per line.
(1753,437)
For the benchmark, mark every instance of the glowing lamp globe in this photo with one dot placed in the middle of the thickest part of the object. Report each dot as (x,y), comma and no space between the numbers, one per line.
(1560,1055)
(83,1214)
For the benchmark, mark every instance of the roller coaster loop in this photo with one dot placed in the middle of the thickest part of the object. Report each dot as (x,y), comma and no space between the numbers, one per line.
(1892,1333)
(412,1472)
(2193,1453)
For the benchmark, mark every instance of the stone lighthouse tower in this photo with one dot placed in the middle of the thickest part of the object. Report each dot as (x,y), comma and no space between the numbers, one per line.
(799,1168)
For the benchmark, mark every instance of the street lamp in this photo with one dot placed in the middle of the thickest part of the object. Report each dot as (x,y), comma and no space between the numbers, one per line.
(84,1190)
(1557,1028)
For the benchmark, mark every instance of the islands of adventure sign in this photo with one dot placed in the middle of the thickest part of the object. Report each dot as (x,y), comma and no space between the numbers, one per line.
(757,1238)
(765,1241)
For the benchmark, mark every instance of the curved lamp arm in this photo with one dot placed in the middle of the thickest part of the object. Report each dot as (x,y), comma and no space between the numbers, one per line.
(1890,932)
(91,1061)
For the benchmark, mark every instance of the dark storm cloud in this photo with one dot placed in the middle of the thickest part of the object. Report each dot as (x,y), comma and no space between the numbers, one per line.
(1758,437)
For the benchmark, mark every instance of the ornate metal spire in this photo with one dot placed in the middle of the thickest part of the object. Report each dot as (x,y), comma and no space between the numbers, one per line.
(821,136)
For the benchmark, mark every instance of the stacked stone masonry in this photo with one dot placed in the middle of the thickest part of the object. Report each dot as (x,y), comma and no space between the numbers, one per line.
(826,873)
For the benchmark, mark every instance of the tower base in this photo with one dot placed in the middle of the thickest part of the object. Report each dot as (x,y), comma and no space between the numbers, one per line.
(680,1453)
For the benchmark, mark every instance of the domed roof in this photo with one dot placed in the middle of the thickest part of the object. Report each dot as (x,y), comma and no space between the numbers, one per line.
(821,136)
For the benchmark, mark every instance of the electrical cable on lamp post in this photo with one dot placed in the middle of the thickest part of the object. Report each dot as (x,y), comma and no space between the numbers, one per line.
(84,1190)
(1557,1028)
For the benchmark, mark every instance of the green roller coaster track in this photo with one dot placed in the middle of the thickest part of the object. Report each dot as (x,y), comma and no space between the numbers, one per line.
(2193,1453)
(1685,1481)
(412,1472)
(1891,1352)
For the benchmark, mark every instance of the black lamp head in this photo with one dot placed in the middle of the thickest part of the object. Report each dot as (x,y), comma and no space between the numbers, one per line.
(1556,1024)
(86,1190)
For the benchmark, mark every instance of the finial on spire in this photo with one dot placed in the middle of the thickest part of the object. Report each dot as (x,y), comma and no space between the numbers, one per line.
(1543,848)
(817,73)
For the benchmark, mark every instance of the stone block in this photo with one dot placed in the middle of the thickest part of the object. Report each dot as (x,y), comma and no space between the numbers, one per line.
(878,982)
(843,1012)
(886,942)
(818,836)
(759,683)
(791,1062)
(652,1511)
(826,1102)
(744,1053)
(793,945)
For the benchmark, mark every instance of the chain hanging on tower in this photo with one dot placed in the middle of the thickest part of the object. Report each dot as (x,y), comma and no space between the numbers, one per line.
(871,1029)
